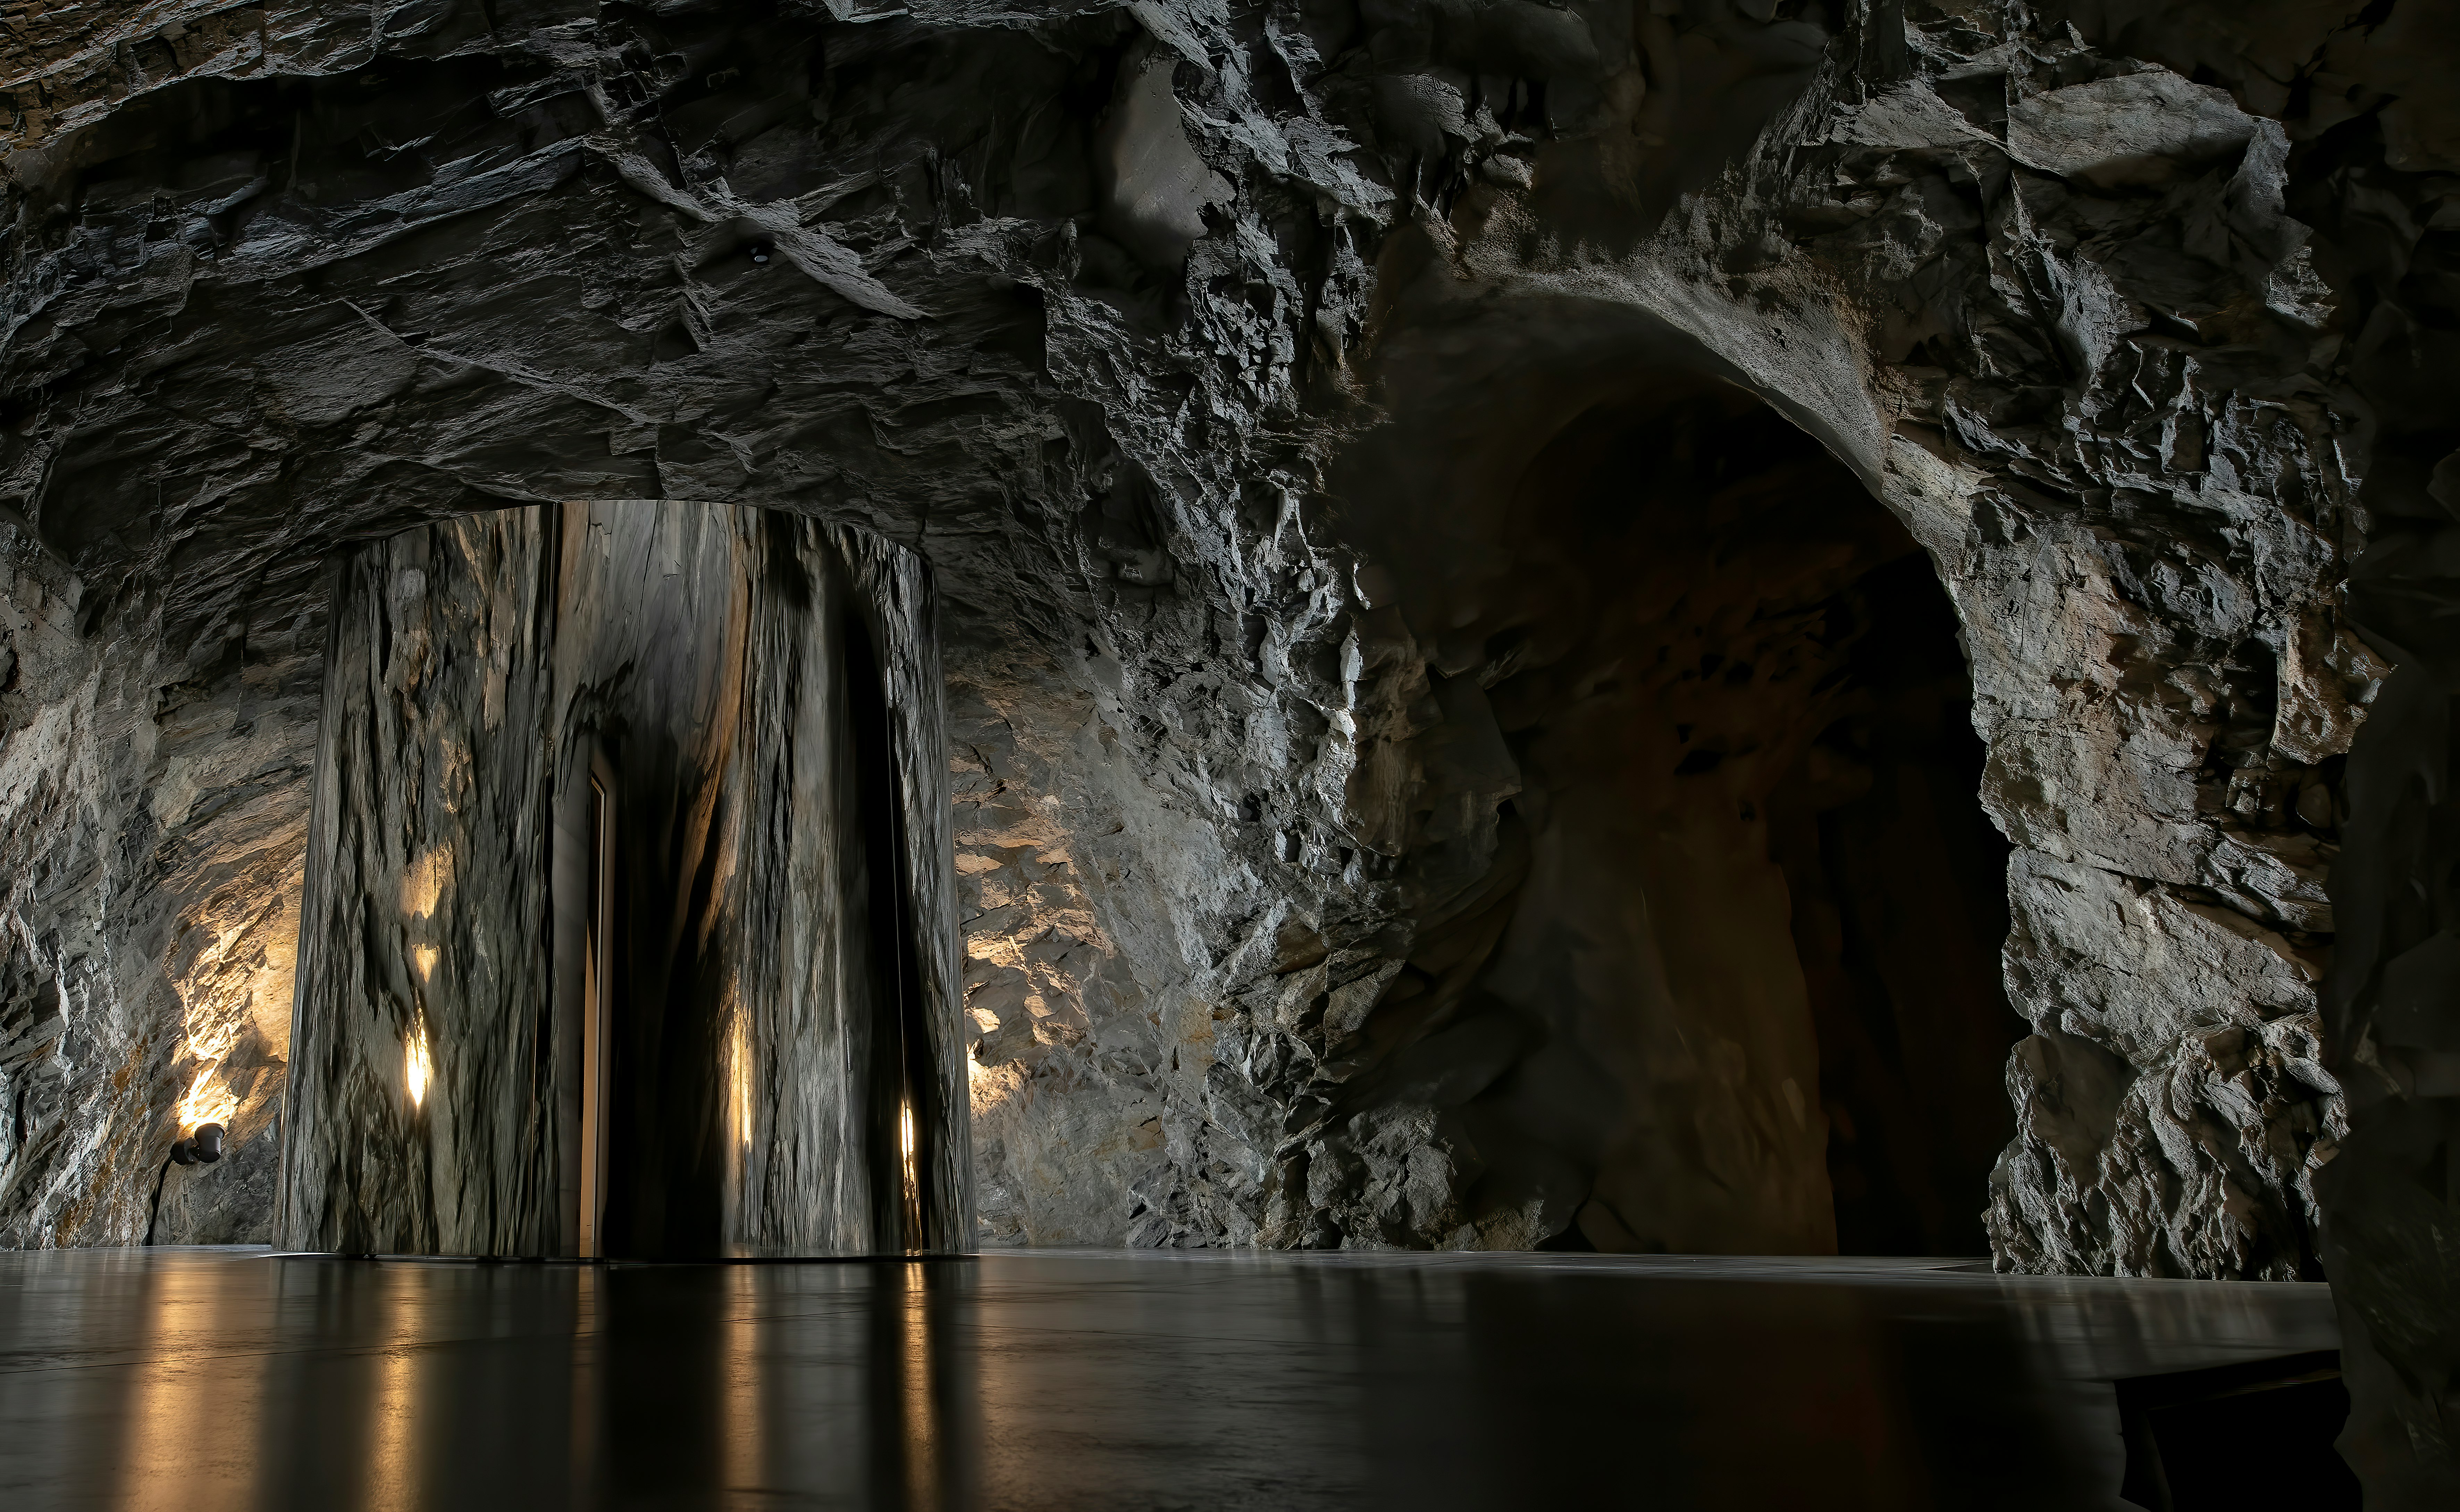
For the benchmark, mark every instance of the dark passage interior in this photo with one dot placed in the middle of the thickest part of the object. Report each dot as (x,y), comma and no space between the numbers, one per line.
(1898,883)
(904,1104)
(1751,958)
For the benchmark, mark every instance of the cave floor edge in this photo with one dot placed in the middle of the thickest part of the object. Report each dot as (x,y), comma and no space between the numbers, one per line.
(205,1378)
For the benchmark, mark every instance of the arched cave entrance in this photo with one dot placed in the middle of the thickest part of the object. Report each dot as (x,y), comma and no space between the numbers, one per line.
(1749,942)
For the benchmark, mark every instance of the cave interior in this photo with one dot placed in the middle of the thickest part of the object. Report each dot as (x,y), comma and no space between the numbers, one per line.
(1477,720)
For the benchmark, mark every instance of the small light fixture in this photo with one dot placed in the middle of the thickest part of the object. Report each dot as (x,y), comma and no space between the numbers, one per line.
(202,1148)
(761,252)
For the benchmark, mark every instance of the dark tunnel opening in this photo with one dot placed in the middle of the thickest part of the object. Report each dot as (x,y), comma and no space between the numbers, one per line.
(1899,907)
(1806,665)
(1751,959)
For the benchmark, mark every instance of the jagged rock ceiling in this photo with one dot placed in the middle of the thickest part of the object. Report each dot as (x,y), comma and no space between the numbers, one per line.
(1263,384)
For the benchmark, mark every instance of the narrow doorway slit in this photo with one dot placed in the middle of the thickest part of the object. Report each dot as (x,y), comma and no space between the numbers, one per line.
(903,1052)
(596,995)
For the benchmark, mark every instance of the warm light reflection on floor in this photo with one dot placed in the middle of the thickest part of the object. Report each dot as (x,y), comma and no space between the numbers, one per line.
(586,1399)
(920,1412)
(393,1468)
(191,1422)
(745,1472)
(198,1382)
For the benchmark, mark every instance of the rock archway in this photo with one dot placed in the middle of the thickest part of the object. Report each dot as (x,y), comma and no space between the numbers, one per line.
(1679,782)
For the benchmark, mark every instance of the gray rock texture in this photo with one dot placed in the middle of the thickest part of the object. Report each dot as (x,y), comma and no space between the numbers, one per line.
(154,834)
(1290,400)
(680,712)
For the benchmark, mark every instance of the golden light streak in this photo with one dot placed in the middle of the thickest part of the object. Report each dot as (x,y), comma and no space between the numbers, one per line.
(162,1463)
(912,1195)
(393,1462)
(426,957)
(921,1415)
(745,1460)
(417,1069)
(742,1049)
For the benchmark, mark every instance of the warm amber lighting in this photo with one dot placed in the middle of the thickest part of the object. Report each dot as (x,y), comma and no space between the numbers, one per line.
(207,1102)
(426,957)
(742,1047)
(912,1196)
(212,1013)
(417,1069)
(424,881)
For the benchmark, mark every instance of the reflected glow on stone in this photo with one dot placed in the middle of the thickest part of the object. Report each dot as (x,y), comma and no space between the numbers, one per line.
(417,1069)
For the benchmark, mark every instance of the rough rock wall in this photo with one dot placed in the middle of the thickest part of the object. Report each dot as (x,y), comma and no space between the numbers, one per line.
(152,829)
(694,694)
(419,1111)
(2135,324)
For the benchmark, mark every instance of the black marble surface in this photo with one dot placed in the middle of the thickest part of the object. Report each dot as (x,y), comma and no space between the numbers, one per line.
(204,1380)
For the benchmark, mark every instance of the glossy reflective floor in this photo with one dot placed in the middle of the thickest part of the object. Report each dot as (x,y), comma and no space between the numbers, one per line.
(206,1379)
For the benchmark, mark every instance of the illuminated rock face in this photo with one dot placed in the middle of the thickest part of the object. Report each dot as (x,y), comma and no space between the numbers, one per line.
(2136,318)
(150,855)
(652,742)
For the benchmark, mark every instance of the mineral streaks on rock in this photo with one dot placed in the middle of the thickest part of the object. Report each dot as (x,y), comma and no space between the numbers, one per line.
(424,1025)
(692,693)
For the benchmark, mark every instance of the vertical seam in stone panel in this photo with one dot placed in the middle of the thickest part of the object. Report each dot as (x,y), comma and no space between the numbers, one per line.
(312,879)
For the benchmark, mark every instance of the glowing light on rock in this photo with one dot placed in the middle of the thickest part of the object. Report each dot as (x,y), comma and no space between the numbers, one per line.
(425,957)
(213,1010)
(206,1101)
(742,1079)
(417,1070)
(423,882)
(913,1180)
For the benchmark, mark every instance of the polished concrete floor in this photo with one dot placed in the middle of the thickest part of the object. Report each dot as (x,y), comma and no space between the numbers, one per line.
(204,1380)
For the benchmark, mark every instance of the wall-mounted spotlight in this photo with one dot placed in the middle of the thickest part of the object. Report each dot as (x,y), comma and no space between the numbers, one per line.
(762,252)
(202,1148)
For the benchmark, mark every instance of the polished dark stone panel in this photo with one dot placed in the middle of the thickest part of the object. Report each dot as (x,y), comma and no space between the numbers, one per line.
(208,1379)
